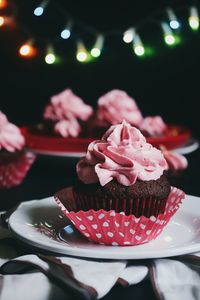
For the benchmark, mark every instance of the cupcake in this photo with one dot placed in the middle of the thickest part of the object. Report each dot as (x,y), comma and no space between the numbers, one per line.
(112,108)
(66,115)
(123,172)
(122,195)
(153,126)
(14,160)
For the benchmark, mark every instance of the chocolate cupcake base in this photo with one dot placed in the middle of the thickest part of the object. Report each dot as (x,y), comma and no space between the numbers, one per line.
(143,198)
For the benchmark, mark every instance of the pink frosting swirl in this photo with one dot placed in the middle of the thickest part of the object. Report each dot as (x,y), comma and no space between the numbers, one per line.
(153,126)
(116,106)
(11,138)
(175,161)
(66,105)
(67,128)
(124,155)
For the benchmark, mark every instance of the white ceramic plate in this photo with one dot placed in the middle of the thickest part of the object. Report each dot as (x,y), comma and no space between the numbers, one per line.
(58,153)
(36,223)
(189,147)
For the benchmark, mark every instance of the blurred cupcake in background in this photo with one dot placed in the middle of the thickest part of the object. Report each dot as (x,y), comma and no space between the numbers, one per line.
(15,161)
(153,126)
(175,161)
(112,108)
(66,115)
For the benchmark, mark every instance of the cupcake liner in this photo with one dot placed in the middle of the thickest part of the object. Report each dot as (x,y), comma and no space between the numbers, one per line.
(14,169)
(117,228)
(137,207)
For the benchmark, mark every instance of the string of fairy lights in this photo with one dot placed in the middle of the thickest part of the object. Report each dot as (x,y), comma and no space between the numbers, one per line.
(170,26)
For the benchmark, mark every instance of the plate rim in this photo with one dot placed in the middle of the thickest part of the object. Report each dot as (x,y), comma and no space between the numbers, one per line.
(93,253)
(187,149)
(33,140)
(183,150)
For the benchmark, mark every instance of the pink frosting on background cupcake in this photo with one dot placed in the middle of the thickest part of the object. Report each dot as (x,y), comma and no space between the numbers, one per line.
(67,128)
(124,155)
(11,138)
(175,161)
(116,106)
(153,126)
(66,105)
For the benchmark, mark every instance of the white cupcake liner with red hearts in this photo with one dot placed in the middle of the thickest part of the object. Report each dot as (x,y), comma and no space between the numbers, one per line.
(118,229)
(13,172)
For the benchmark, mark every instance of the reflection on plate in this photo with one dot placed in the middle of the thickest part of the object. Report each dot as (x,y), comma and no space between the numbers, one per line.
(175,137)
(40,224)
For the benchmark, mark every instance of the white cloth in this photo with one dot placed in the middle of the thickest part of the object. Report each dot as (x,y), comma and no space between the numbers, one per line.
(34,286)
(176,280)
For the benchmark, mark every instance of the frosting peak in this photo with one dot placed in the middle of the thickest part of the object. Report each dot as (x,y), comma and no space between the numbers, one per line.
(66,105)
(116,106)
(11,138)
(122,154)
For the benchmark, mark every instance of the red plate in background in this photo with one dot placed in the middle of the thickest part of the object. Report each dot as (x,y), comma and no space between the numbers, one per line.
(175,137)
(53,145)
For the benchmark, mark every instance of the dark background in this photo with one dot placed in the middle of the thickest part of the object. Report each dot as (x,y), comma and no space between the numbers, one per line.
(166,83)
